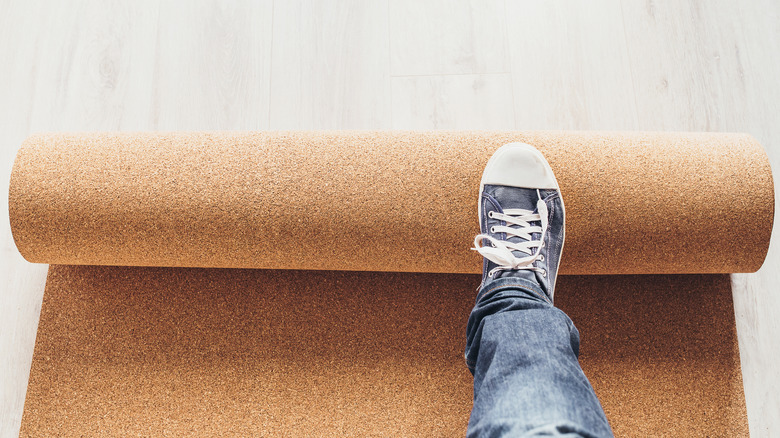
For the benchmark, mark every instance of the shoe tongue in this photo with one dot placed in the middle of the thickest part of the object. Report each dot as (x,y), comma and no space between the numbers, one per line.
(512,197)
(526,201)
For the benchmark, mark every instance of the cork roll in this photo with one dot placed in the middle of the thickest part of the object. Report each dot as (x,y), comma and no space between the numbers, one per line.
(637,203)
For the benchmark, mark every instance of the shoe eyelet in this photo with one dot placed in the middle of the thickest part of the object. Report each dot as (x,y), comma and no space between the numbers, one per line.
(541,257)
(544,273)
(490,214)
(493,230)
(490,274)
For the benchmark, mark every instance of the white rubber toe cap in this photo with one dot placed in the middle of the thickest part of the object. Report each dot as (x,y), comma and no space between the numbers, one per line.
(519,165)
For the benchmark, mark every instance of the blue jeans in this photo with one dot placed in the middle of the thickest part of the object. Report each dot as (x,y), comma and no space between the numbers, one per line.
(523,354)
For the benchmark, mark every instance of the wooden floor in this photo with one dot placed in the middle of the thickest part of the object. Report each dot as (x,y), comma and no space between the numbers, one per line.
(401,64)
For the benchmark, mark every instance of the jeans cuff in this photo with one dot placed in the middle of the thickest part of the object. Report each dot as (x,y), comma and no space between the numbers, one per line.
(528,288)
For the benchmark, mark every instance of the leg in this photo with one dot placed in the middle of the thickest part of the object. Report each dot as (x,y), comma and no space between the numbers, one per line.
(521,349)
(523,354)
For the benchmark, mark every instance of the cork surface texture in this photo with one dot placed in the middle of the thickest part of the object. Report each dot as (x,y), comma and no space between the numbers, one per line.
(382,201)
(228,352)
(352,322)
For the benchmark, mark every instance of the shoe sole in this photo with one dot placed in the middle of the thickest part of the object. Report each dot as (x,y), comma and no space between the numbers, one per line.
(526,151)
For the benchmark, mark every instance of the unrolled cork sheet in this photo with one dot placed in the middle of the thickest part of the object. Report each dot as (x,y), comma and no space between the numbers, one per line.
(128,351)
(340,349)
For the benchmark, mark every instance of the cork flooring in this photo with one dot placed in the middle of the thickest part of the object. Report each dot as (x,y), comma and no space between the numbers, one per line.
(383,200)
(190,344)
(230,352)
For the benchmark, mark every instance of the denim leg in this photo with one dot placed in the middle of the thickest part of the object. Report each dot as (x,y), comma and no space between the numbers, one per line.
(523,354)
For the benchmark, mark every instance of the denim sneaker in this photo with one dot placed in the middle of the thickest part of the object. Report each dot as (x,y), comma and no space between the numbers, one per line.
(521,217)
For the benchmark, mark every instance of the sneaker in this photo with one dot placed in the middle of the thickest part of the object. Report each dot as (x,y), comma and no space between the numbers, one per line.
(521,217)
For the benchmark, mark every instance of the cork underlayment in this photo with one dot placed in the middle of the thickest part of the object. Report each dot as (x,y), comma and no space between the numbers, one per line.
(184,350)
(383,201)
(224,352)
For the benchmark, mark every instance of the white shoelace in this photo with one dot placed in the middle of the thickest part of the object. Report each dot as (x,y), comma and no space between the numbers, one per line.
(501,253)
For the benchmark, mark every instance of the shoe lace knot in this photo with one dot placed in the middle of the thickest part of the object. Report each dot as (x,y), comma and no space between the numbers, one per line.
(515,255)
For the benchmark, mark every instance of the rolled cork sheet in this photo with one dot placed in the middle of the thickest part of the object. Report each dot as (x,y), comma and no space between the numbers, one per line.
(637,203)
(178,350)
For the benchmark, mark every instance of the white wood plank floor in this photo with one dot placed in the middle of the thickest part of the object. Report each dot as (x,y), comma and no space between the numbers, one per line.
(402,64)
